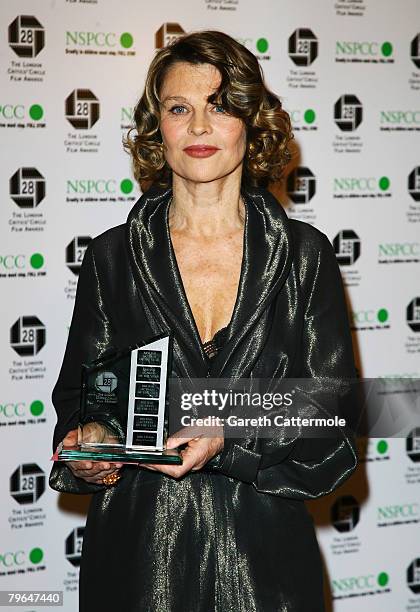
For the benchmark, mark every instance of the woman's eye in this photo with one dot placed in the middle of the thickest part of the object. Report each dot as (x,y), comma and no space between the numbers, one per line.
(179,109)
(172,110)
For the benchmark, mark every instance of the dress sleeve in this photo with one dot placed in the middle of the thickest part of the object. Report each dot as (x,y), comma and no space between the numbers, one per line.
(308,467)
(89,336)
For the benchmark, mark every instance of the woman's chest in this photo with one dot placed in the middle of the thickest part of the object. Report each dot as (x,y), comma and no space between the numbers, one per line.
(210,272)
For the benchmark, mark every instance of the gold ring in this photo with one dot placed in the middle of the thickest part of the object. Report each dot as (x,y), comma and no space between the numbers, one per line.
(111,479)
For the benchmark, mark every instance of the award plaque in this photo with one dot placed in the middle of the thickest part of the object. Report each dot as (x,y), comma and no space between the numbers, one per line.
(123,407)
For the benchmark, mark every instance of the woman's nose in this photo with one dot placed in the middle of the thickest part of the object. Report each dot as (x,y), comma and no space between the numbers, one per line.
(199,123)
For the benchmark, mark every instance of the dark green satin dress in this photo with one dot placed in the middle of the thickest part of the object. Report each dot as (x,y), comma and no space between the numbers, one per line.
(235,536)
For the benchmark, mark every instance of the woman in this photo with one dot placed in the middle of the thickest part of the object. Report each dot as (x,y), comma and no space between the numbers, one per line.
(209,254)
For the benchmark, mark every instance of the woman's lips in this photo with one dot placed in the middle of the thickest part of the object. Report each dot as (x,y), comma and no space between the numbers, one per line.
(200,151)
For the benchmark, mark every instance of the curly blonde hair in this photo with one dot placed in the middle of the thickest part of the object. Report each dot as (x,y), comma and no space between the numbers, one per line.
(243,94)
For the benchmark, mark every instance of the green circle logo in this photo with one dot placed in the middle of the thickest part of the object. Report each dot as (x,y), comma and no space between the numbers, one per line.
(386,49)
(36,112)
(126,186)
(37,261)
(382,315)
(262,45)
(383,579)
(384,183)
(382,446)
(309,115)
(36,555)
(126,40)
(36,408)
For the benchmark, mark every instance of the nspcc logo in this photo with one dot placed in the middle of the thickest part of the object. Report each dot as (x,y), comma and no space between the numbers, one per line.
(414,184)
(399,119)
(397,514)
(99,39)
(301,185)
(369,319)
(303,47)
(27,336)
(362,585)
(347,247)
(75,252)
(348,112)
(303,119)
(14,561)
(258,45)
(82,109)
(360,186)
(363,51)
(415,51)
(26,36)
(19,113)
(27,187)
(413,314)
(167,33)
(27,483)
(73,546)
(9,411)
(399,252)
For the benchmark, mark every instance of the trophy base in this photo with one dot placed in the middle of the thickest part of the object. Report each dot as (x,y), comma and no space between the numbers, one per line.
(117,454)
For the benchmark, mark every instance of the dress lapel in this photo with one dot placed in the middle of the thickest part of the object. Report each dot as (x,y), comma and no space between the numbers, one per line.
(266,264)
(267,258)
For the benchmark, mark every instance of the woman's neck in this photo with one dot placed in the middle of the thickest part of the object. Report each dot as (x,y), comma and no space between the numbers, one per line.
(206,209)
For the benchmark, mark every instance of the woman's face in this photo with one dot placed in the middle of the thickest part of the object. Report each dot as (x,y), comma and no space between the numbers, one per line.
(187,119)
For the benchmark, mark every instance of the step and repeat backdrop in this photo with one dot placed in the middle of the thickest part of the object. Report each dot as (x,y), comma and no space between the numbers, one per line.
(348,72)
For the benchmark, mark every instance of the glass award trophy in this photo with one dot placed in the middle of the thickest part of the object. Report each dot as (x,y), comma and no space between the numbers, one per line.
(123,407)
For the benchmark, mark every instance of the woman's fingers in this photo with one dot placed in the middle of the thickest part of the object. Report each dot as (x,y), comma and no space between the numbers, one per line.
(99,477)
(197,453)
(70,438)
(190,457)
(93,471)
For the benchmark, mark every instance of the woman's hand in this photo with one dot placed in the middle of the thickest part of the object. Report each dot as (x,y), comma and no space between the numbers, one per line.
(198,452)
(91,471)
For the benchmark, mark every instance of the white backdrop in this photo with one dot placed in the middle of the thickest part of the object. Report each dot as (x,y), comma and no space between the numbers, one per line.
(349,74)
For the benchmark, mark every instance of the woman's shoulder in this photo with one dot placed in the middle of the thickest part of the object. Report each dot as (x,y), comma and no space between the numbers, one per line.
(109,240)
(313,254)
(305,237)
(308,237)
(106,252)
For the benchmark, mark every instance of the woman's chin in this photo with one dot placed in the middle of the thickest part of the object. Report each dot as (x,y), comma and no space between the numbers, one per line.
(204,176)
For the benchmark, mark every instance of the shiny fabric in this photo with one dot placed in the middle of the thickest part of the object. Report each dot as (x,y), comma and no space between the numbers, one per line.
(235,536)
